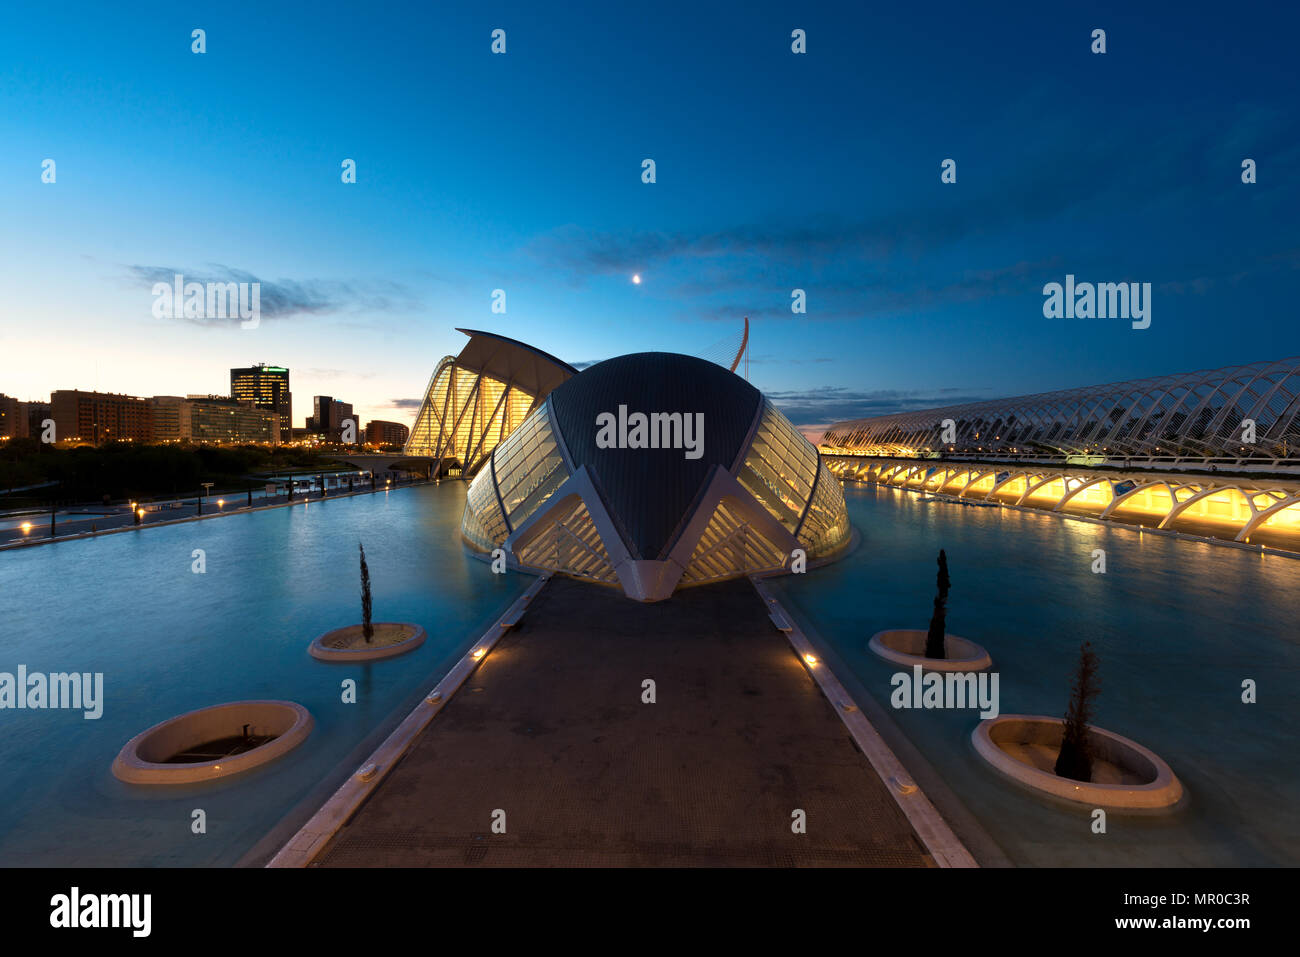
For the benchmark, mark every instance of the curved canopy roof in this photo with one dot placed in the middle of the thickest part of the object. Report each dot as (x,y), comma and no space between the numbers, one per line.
(509,360)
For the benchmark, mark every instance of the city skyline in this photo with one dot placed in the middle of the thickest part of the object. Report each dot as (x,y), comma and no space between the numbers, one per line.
(919,292)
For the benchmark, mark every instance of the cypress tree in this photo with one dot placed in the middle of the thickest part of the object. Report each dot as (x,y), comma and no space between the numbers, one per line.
(367,628)
(934,643)
(1075,758)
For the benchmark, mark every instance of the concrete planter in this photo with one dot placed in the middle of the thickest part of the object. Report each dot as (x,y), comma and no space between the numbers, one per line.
(348,644)
(146,758)
(906,647)
(1126,776)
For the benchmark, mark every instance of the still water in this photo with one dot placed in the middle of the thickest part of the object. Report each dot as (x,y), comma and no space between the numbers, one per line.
(1178,627)
(168,640)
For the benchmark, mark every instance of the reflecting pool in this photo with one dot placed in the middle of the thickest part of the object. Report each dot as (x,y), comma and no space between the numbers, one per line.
(169,640)
(1178,627)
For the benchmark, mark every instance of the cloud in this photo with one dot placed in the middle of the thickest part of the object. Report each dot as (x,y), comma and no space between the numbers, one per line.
(786,361)
(1017,219)
(289,298)
(405,403)
(892,292)
(829,404)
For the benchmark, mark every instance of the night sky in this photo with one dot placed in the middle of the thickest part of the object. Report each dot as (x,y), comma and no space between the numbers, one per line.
(523,172)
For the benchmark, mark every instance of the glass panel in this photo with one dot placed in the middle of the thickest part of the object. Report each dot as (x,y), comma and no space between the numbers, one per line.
(827,524)
(483,524)
(779,468)
(529,467)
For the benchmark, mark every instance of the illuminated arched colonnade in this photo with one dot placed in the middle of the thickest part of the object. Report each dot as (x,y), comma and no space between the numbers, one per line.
(1237,509)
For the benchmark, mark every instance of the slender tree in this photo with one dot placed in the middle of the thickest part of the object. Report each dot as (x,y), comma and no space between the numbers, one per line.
(934,643)
(1075,759)
(367,628)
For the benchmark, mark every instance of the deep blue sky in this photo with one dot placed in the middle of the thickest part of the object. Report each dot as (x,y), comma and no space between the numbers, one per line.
(522,172)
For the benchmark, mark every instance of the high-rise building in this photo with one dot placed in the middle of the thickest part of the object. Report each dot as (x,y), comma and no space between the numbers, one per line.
(37,414)
(98,417)
(267,387)
(222,420)
(379,432)
(167,418)
(328,416)
(13,417)
(320,413)
(342,413)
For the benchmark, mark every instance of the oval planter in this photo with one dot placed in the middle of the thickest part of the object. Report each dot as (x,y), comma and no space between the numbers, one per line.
(906,647)
(334,645)
(1129,777)
(149,757)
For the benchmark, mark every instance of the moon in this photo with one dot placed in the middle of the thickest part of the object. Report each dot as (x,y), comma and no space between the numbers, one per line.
(636,279)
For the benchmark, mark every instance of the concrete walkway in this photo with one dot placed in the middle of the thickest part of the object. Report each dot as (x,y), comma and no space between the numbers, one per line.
(551,730)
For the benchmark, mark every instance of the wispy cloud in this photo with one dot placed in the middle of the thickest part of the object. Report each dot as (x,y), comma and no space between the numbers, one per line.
(996,235)
(829,404)
(289,298)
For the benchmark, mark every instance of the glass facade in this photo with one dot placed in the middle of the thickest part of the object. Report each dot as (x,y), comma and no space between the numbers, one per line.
(780,473)
(465,415)
(826,525)
(528,467)
(524,471)
(780,468)
(483,524)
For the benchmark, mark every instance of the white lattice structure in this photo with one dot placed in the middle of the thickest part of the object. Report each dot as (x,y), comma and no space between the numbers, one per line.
(1249,412)
(476,399)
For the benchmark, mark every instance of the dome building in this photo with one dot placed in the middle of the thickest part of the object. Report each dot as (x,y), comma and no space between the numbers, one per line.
(651,471)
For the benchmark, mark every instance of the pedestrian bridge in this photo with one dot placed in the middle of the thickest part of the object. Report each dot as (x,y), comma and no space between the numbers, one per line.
(1253,510)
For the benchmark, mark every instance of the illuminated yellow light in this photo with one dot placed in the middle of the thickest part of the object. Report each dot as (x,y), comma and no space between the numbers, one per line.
(27,526)
(220,502)
(811,659)
(140,512)
(479,653)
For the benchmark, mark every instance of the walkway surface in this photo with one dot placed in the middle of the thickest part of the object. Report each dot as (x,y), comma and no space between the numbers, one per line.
(551,730)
